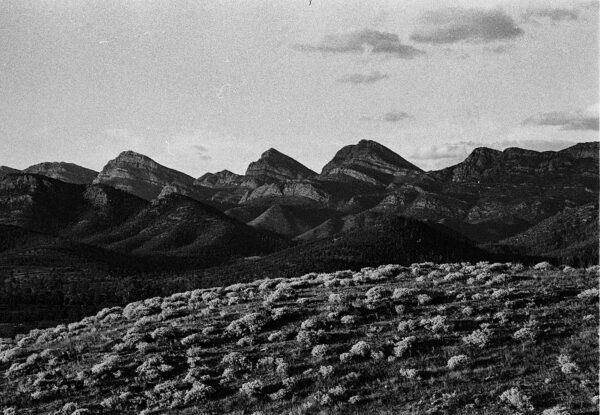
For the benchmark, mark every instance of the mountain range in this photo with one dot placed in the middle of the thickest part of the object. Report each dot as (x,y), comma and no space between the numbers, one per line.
(490,197)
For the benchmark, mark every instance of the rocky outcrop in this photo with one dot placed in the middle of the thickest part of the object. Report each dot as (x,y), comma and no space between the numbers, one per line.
(222,179)
(274,166)
(142,176)
(297,189)
(66,172)
(370,162)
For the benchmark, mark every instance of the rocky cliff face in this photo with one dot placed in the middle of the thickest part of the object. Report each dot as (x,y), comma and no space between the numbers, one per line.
(370,162)
(142,176)
(66,172)
(274,166)
(222,179)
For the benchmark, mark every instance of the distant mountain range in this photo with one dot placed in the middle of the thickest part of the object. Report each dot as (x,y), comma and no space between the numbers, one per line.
(491,196)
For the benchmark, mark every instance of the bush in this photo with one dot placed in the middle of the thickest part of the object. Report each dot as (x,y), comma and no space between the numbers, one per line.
(458,362)
(319,351)
(566,365)
(361,349)
(252,389)
(517,400)
(556,410)
(478,338)
(404,345)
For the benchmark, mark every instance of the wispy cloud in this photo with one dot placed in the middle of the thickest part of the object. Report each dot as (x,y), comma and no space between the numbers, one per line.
(472,25)
(360,41)
(498,49)
(554,14)
(392,116)
(586,119)
(201,151)
(358,78)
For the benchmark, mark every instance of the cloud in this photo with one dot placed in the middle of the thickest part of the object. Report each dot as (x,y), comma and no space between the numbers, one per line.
(443,151)
(472,25)
(357,78)
(586,119)
(553,14)
(392,116)
(361,41)
(499,49)
(201,152)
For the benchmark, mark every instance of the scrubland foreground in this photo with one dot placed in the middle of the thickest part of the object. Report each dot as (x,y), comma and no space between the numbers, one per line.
(430,338)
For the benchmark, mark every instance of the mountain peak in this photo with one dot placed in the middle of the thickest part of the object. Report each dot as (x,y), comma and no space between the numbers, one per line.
(223,178)
(371,162)
(4,170)
(140,175)
(274,166)
(66,172)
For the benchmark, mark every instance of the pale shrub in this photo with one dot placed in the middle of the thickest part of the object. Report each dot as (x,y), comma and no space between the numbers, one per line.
(588,294)
(423,299)
(309,338)
(166,332)
(280,312)
(248,324)
(345,357)
(360,349)
(524,334)
(153,368)
(543,266)
(348,320)
(436,324)
(556,410)
(403,346)
(320,351)
(236,361)
(108,364)
(312,323)
(376,294)
(276,336)
(458,362)
(402,293)
(566,365)
(408,373)
(252,389)
(335,299)
(326,371)
(198,392)
(478,338)
(517,400)
(192,339)
(407,326)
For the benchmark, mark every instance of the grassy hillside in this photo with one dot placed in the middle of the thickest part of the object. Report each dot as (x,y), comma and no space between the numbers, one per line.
(425,339)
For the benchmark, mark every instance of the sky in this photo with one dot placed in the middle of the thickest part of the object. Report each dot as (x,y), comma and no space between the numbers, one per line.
(209,85)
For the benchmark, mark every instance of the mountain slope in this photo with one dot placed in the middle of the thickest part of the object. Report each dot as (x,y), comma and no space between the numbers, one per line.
(39,203)
(143,177)
(66,172)
(370,162)
(290,220)
(571,234)
(178,225)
